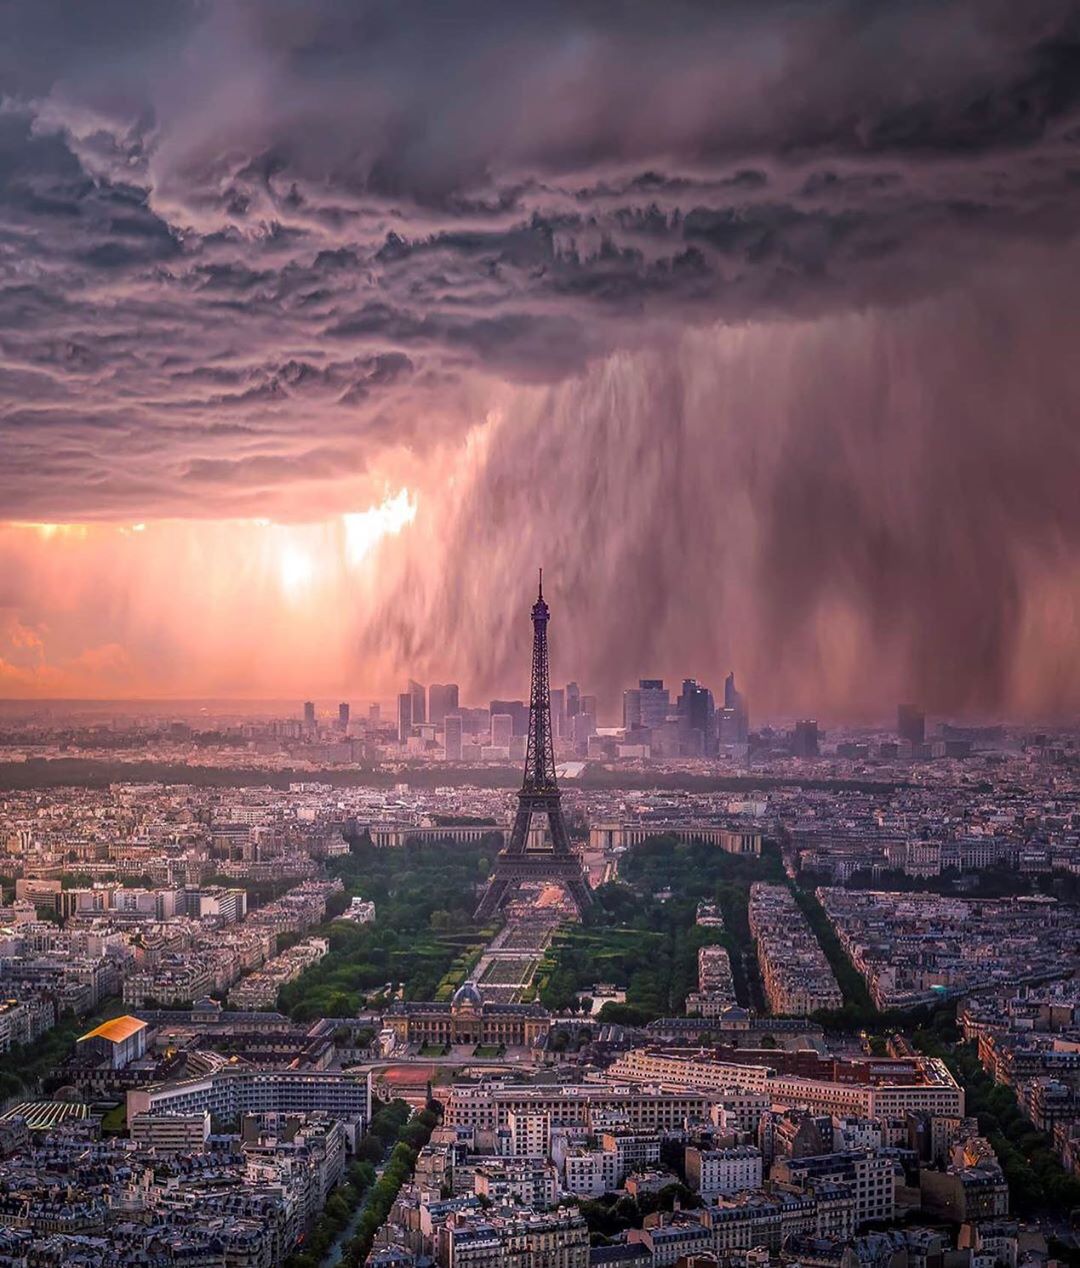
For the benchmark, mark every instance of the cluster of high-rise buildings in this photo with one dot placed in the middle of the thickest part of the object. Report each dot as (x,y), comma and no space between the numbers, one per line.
(657,724)
(680,725)
(654,723)
(691,725)
(432,718)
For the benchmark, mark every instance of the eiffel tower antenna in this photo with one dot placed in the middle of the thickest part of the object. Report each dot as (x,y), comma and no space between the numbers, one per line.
(539,795)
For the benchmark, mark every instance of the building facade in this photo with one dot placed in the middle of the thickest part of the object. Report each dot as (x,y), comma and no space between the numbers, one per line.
(468,1019)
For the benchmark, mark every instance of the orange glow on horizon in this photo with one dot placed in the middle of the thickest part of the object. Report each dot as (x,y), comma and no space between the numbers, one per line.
(174,608)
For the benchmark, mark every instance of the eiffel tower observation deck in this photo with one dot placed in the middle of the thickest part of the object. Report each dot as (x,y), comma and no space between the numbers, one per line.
(539,795)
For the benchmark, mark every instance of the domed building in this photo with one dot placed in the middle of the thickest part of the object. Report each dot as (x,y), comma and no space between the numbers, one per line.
(467,1000)
(468,1019)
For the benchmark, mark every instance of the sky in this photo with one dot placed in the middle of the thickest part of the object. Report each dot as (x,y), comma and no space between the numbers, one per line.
(324,324)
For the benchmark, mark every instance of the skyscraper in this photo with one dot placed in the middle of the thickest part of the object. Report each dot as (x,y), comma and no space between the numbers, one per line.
(655,702)
(516,709)
(695,708)
(343,716)
(502,730)
(419,712)
(442,699)
(631,708)
(404,716)
(309,714)
(911,723)
(452,737)
(573,699)
(804,740)
(557,698)
(582,725)
(734,722)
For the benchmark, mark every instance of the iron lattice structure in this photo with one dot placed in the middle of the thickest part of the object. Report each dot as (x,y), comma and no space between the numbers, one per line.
(539,795)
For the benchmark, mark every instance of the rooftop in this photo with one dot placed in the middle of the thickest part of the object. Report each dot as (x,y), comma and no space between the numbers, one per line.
(116,1030)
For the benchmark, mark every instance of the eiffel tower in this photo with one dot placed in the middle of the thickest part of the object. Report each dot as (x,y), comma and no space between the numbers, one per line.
(516,862)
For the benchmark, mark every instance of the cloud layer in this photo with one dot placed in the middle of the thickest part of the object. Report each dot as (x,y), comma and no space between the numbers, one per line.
(752,320)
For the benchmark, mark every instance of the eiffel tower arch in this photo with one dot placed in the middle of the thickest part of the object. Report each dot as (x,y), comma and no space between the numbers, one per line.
(539,795)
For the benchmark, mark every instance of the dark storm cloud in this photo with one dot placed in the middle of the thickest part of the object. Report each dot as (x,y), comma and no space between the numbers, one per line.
(247,248)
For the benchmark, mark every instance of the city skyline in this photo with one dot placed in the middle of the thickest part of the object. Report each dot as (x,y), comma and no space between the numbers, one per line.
(324,329)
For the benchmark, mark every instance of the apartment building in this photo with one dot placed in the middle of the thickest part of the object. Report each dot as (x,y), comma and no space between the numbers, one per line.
(712,1172)
(229,1093)
(171,1133)
(486,1107)
(870,1176)
(796,975)
(886,1089)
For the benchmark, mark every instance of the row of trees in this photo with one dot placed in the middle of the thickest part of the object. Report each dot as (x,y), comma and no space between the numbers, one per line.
(1037,1180)
(393,1128)
(999,881)
(413,1137)
(859,1009)
(334,1218)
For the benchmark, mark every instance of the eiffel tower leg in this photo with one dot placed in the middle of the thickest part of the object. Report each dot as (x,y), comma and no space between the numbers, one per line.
(560,838)
(578,890)
(493,899)
(519,834)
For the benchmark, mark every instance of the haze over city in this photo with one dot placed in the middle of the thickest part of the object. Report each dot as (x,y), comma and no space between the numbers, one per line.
(325,325)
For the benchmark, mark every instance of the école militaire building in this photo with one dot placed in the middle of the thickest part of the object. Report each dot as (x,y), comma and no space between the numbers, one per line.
(468,1019)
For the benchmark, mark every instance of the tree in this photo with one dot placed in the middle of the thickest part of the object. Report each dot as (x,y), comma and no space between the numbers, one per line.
(336,904)
(622,1014)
